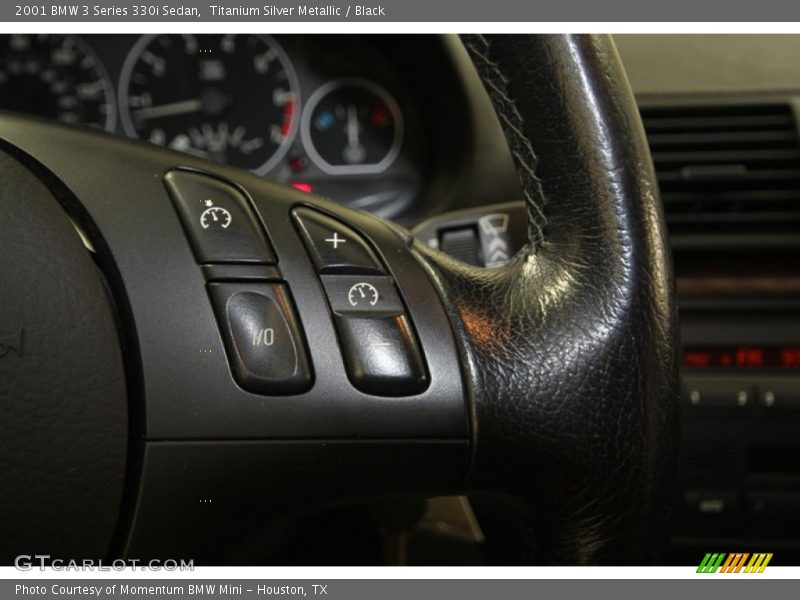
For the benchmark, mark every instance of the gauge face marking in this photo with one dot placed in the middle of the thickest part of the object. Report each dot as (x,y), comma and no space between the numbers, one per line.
(57,77)
(215,217)
(229,98)
(362,294)
(352,126)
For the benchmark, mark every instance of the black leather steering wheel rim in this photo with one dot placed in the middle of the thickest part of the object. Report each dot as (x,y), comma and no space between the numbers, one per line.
(590,297)
(567,388)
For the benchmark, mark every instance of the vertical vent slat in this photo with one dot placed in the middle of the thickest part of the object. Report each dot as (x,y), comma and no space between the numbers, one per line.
(727,169)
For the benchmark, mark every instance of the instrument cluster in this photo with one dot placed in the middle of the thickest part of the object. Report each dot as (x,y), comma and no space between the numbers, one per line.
(327,114)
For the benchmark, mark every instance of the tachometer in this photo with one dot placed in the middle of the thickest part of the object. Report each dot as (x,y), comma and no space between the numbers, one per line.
(230,98)
(55,76)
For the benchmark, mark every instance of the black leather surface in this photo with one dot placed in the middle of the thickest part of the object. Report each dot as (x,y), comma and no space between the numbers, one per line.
(63,414)
(572,347)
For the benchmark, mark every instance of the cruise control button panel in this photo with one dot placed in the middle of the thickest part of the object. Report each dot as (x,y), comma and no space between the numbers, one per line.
(333,246)
(218,220)
(263,337)
(380,349)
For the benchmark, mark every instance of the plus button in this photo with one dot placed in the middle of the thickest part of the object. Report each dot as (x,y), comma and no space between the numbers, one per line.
(335,240)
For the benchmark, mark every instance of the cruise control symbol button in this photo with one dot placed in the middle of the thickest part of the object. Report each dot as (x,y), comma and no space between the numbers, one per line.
(363,293)
(215,216)
(218,219)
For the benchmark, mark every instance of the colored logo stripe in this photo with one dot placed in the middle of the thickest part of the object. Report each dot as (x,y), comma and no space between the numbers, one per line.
(711,563)
(758,563)
(734,563)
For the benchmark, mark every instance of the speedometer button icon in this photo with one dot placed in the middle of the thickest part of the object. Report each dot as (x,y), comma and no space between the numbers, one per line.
(363,294)
(215,217)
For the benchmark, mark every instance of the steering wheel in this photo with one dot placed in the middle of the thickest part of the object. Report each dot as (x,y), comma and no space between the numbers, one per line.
(188,352)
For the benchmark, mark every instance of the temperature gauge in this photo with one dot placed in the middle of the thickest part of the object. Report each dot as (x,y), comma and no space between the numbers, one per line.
(352,126)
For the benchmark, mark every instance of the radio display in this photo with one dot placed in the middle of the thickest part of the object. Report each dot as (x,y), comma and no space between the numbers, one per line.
(742,357)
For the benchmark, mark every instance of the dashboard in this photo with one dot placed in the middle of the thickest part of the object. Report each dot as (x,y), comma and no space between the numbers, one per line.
(721,115)
(353,118)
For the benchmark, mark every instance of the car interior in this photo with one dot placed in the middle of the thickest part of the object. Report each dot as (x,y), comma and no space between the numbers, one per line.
(535,298)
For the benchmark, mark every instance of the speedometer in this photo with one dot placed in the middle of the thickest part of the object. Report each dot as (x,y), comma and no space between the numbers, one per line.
(55,76)
(229,98)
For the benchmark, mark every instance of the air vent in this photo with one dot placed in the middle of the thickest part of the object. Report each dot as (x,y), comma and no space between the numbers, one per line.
(727,170)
